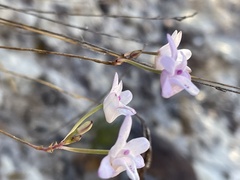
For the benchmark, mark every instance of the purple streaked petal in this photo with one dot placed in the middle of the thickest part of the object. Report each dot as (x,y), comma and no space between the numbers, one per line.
(187,84)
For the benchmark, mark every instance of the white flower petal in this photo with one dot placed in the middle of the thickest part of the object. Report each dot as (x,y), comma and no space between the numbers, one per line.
(157,62)
(168,64)
(128,164)
(126,97)
(174,34)
(183,64)
(165,50)
(115,82)
(122,136)
(110,105)
(119,88)
(115,102)
(126,110)
(139,161)
(177,38)
(105,170)
(187,53)
(132,171)
(138,146)
(173,47)
(167,90)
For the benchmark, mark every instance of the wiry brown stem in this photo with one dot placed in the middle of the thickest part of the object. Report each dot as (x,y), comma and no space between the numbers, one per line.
(83,43)
(50,148)
(156,18)
(66,24)
(40,51)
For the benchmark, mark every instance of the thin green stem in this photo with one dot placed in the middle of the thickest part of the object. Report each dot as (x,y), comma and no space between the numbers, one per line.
(142,66)
(150,53)
(83,119)
(85,151)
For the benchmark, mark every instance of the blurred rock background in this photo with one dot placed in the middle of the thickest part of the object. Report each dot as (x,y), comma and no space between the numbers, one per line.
(193,137)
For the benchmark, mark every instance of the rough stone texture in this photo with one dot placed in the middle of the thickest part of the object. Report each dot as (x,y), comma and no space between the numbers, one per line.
(193,137)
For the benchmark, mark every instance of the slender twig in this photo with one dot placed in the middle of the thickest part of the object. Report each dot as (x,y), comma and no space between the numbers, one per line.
(59,54)
(197,79)
(68,25)
(55,146)
(218,87)
(111,53)
(83,43)
(155,18)
(18,139)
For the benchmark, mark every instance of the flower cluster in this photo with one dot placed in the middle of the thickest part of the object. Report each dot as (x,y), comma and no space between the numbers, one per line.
(123,156)
(126,156)
(173,62)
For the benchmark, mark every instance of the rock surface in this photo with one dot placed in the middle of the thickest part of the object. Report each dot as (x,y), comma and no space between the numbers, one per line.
(193,137)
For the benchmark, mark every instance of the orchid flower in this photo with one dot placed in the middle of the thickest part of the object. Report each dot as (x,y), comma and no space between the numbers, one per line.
(115,104)
(175,75)
(124,156)
(166,51)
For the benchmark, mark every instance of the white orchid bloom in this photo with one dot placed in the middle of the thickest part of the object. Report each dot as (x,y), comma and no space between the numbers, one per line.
(115,104)
(124,156)
(166,51)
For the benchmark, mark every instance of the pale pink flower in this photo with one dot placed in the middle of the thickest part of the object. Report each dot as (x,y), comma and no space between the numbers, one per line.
(175,75)
(115,104)
(166,51)
(124,156)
